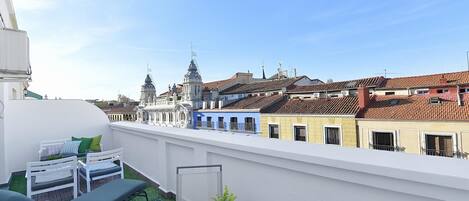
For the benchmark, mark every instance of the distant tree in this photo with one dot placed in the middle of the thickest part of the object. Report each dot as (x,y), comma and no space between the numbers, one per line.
(329,80)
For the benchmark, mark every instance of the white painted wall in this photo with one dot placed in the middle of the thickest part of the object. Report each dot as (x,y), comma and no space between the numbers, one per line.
(269,169)
(28,122)
(8,14)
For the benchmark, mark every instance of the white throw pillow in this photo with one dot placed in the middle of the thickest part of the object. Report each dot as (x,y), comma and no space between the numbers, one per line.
(70,147)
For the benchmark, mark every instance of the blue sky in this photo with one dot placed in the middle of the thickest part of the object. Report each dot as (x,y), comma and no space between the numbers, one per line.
(99,48)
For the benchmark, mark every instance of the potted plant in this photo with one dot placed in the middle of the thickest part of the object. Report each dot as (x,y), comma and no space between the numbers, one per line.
(227,196)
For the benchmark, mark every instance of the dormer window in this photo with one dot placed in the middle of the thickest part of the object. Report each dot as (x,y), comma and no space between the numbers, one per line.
(435,100)
(441,91)
(464,90)
(422,91)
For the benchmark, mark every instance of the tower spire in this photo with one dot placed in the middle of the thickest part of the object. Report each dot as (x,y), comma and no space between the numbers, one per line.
(263,72)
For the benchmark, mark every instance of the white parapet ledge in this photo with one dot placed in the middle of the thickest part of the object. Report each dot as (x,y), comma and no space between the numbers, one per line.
(438,171)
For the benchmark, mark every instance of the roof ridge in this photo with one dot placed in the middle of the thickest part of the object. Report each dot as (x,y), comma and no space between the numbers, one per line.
(415,76)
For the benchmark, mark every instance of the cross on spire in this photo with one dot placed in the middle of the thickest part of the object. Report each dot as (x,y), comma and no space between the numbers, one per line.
(148,69)
(193,54)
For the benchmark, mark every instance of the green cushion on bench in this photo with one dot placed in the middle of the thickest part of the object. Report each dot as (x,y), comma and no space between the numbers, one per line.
(116,190)
(12,196)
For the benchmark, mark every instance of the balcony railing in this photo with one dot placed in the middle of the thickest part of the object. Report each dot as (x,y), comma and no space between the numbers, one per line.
(243,127)
(205,125)
(384,147)
(444,153)
(236,127)
(14,54)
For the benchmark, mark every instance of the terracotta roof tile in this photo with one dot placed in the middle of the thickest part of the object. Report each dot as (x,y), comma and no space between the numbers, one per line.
(255,102)
(335,86)
(209,86)
(416,108)
(262,86)
(455,78)
(334,106)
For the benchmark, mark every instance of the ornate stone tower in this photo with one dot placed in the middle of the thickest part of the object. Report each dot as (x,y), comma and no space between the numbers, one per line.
(148,92)
(192,85)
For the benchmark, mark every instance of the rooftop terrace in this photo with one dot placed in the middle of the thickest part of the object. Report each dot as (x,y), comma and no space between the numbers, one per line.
(253,168)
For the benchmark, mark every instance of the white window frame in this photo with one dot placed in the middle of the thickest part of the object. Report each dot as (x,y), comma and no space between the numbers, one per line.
(332,126)
(268,130)
(426,89)
(293,132)
(423,143)
(396,137)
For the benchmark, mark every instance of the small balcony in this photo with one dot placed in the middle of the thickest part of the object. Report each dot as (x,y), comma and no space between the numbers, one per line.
(14,55)
(243,127)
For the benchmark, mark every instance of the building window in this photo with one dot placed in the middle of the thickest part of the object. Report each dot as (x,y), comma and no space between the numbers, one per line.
(441,91)
(332,135)
(389,93)
(439,145)
(273,131)
(170,117)
(383,141)
(221,123)
(209,122)
(422,91)
(199,121)
(464,90)
(300,133)
(249,124)
(234,123)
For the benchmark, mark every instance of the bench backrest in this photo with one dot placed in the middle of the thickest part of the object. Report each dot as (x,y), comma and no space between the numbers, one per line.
(105,156)
(49,167)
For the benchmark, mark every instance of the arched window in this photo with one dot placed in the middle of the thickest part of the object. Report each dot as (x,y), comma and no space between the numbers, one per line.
(182,116)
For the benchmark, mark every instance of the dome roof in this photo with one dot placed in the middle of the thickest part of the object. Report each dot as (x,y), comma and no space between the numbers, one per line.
(148,83)
(192,72)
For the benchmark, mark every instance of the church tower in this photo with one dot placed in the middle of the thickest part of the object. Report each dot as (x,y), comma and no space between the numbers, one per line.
(192,85)
(148,92)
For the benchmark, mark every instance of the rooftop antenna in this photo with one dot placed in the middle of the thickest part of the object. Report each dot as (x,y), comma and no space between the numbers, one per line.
(263,72)
(386,73)
(467,58)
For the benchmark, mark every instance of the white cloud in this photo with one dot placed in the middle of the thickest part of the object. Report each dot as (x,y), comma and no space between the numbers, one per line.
(34,4)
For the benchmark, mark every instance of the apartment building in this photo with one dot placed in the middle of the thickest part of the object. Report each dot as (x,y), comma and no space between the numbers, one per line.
(239,116)
(431,118)
(319,121)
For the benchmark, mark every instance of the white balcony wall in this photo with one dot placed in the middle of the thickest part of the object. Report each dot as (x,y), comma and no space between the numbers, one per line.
(28,122)
(267,169)
(14,54)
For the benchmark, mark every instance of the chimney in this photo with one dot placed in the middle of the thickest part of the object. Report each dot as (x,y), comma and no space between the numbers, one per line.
(204,105)
(443,80)
(220,104)
(212,104)
(363,97)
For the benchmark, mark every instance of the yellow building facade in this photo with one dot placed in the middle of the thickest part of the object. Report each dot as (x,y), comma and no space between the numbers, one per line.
(413,136)
(315,126)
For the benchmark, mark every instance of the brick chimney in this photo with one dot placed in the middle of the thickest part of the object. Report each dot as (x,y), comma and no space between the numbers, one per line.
(443,80)
(363,97)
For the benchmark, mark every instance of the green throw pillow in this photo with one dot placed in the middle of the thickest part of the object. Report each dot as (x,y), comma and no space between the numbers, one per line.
(96,143)
(84,145)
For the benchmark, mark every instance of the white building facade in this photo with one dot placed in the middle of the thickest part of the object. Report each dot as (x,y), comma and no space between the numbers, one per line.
(173,108)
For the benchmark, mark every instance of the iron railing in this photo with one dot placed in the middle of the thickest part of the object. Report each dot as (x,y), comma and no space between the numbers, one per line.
(440,152)
(232,126)
(384,147)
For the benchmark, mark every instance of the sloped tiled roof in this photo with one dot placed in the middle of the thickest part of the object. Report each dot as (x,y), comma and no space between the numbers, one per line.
(178,90)
(335,86)
(255,102)
(270,85)
(216,84)
(455,78)
(334,106)
(416,108)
